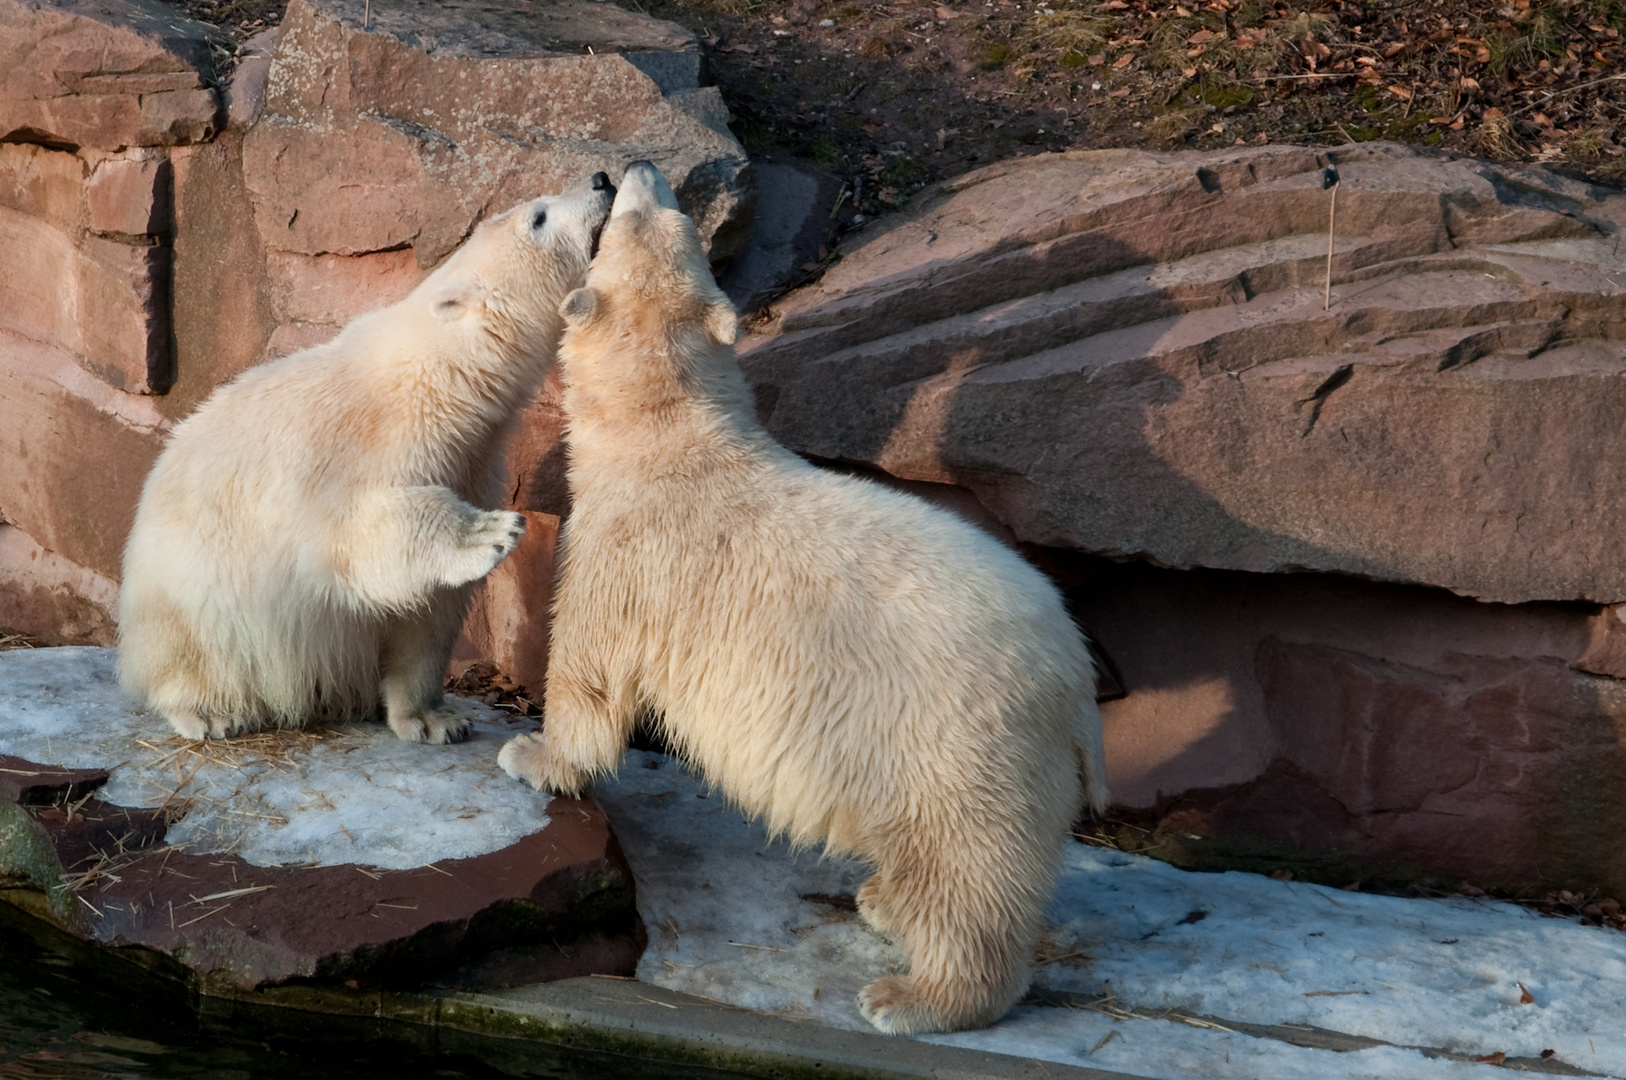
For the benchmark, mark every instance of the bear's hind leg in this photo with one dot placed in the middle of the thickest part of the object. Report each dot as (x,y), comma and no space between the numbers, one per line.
(416,649)
(968,914)
(188,724)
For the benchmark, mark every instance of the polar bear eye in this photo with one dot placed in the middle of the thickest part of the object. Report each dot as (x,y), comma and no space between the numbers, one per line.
(540,219)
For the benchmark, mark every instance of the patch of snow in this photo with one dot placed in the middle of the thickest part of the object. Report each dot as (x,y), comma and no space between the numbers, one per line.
(730,918)
(356,795)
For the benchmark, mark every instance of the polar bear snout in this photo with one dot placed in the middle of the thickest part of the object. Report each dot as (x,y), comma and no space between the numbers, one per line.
(643,188)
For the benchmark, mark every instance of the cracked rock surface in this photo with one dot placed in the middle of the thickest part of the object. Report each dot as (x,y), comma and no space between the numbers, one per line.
(1126,353)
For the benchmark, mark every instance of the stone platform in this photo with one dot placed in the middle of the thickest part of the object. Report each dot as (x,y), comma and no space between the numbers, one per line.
(337,854)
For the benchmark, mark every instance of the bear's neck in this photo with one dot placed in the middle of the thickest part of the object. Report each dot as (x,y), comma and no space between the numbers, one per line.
(663,427)
(465,411)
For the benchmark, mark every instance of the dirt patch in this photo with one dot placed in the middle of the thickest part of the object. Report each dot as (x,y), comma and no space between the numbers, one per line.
(893,96)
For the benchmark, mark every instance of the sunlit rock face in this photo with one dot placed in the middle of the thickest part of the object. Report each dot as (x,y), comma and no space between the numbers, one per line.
(1128,354)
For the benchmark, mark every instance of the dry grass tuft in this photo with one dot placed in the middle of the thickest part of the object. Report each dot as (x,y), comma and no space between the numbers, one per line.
(1495,135)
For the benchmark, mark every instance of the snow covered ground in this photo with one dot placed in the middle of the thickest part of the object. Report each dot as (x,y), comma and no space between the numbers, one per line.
(1159,967)
(737,918)
(346,795)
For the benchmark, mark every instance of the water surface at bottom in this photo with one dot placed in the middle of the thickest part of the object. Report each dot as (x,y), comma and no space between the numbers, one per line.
(68,1012)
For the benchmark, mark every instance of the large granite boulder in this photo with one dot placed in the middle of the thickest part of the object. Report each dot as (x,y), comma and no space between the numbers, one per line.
(339,854)
(1127,354)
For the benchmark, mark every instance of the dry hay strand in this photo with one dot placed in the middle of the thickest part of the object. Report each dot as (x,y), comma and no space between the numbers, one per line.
(277,748)
(15,641)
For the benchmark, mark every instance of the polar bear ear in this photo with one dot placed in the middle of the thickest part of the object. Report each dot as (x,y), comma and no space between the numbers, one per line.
(722,322)
(579,306)
(455,299)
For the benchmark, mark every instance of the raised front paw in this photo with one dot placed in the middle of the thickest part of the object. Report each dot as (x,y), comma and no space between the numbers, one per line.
(533,758)
(434,724)
(488,540)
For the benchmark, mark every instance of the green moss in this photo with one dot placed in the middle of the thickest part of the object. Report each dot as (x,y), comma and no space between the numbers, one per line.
(997,56)
(1226,95)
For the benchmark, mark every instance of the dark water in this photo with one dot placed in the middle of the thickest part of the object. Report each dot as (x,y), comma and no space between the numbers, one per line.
(69,1013)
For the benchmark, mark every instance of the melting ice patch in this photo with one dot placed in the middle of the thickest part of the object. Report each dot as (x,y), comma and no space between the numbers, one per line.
(353,794)
(741,919)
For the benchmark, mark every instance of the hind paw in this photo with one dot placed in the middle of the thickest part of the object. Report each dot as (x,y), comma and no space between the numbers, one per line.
(894,1006)
(189,724)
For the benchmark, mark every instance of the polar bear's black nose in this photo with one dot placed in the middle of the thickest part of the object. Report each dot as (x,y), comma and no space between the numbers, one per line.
(601,182)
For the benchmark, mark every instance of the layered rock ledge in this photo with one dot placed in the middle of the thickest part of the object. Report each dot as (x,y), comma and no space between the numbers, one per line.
(170,221)
(1127,354)
(337,854)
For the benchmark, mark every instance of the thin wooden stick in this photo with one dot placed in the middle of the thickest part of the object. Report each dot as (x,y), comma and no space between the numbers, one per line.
(1332,211)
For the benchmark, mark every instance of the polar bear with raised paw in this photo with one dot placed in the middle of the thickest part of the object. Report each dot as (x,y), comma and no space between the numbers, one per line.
(844,661)
(306,545)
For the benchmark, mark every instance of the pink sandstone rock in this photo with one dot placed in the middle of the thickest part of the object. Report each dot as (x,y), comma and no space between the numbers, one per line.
(73,454)
(1125,353)
(508,623)
(1358,728)
(128,195)
(442,113)
(104,301)
(104,75)
(45,595)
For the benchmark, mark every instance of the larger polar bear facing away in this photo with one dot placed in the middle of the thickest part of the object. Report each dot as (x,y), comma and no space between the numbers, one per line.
(849,663)
(306,545)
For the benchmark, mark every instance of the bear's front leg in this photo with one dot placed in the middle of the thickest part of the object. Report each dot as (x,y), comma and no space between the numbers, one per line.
(416,649)
(402,545)
(584,732)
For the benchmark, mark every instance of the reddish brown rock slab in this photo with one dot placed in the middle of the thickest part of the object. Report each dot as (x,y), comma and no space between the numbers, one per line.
(104,75)
(1360,729)
(403,129)
(123,194)
(51,598)
(1126,354)
(338,854)
(509,618)
(104,301)
(28,783)
(554,905)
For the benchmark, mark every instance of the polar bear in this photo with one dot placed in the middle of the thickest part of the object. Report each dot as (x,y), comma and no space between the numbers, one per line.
(845,661)
(306,544)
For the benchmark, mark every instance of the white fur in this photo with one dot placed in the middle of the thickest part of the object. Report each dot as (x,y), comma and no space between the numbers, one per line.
(847,662)
(306,544)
